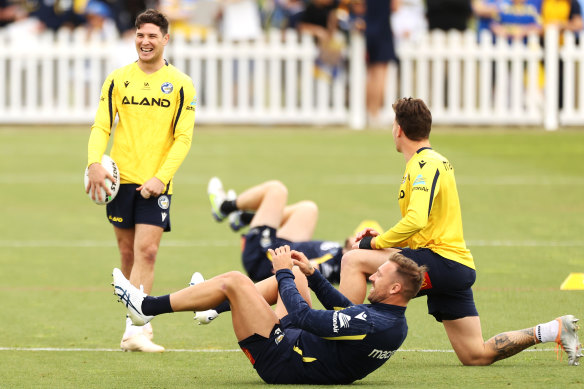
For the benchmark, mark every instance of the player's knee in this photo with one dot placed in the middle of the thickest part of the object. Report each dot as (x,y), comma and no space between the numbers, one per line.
(235,280)
(351,260)
(309,207)
(475,357)
(276,186)
(477,361)
(149,252)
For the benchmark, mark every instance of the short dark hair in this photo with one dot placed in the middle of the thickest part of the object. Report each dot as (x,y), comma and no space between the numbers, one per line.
(414,117)
(411,274)
(155,17)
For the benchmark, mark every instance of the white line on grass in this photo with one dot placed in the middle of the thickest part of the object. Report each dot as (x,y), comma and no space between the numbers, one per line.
(233,243)
(206,350)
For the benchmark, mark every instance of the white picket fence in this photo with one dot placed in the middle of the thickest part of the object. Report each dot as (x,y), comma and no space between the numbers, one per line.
(53,79)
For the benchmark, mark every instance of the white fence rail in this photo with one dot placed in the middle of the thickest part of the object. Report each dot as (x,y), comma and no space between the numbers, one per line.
(57,79)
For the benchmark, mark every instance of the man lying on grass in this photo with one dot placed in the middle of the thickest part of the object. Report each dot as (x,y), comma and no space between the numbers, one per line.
(296,344)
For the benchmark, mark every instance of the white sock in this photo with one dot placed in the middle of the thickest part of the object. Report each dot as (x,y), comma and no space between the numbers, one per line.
(547,332)
(131,329)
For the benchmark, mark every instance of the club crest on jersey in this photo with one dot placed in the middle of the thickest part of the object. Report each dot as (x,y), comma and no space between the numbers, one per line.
(166,88)
(163,202)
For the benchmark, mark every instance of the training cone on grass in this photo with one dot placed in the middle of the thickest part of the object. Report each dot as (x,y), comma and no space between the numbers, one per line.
(574,281)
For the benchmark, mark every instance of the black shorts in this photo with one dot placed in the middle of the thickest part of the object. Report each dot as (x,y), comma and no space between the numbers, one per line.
(447,285)
(129,208)
(254,246)
(274,358)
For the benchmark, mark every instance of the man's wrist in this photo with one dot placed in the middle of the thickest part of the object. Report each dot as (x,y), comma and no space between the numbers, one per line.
(365,243)
(284,273)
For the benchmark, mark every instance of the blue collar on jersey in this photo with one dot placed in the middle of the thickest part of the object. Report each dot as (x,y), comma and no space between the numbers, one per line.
(423,148)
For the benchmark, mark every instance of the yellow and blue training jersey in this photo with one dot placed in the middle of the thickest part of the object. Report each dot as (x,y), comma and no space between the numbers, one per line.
(156,116)
(430,209)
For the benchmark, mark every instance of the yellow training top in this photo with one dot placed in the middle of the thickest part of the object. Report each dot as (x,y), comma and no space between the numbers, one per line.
(430,208)
(156,115)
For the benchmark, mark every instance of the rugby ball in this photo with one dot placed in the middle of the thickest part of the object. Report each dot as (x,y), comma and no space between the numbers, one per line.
(114,187)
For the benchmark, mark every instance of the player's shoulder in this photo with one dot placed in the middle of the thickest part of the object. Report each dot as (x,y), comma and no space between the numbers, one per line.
(178,74)
(123,72)
(431,157)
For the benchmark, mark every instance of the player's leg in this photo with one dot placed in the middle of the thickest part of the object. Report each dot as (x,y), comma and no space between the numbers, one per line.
(268,289)
(145,248)
(125,239)
(249,310)
(466,337)
(356,267)
(299,221)
(376,76)
(146,243)
(267,200)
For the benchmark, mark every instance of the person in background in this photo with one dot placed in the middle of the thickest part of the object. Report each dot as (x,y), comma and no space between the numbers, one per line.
(380,52)
(517,19)
(566,15)
(408,21)
(448,15)
(55,14)
(99,21)
(273,223)
(11,11)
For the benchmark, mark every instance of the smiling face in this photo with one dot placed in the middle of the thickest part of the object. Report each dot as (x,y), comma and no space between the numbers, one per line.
(384,283)
(150,43)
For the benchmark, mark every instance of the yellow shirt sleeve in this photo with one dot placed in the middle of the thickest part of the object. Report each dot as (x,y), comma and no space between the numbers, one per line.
(102,126)
(417,193)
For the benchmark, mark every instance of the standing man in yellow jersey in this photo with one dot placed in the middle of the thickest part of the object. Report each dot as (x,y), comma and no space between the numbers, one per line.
(155,104)
(430,233)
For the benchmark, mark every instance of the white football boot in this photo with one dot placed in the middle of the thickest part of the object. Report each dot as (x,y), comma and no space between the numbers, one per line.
(216,197)
(202,317)
(568,338)
(131,297)
(140,342)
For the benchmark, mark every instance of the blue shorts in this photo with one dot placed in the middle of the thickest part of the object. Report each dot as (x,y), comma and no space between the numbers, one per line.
(447,285)
(255,245)
(129,208)
(274,358)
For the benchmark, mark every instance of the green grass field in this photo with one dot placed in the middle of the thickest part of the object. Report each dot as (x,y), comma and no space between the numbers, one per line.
(522,194)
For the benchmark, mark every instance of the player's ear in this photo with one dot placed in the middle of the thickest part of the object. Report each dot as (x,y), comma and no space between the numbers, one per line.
(395,288)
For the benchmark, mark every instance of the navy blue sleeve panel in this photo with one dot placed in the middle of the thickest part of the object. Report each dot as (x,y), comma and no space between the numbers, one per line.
(324,323)
(327,294)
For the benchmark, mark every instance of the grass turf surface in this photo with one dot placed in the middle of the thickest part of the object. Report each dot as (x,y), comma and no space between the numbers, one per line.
(522,197)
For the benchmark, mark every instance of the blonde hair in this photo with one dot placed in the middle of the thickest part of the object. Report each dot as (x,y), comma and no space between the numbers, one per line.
(410,273)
